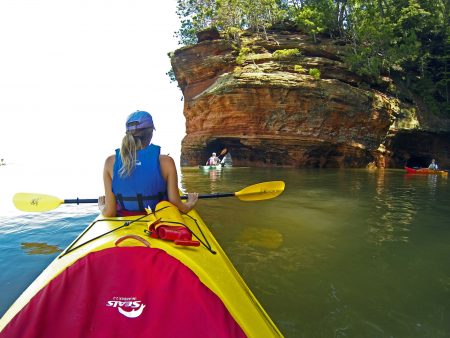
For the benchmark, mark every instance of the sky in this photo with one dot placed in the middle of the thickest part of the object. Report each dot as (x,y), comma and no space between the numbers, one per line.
(70,74)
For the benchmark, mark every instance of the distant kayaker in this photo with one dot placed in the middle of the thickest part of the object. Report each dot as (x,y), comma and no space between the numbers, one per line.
(433,165)
(138,176)
(213,160)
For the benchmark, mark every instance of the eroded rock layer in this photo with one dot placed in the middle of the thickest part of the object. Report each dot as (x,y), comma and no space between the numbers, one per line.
(268,109)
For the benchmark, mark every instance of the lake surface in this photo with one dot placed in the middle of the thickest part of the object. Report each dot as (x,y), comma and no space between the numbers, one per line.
(341,253)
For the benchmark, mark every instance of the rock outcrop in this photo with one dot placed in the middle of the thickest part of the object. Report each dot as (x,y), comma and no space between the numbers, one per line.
(271,108)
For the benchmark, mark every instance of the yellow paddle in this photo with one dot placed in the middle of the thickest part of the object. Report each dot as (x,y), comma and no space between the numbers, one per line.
(255,192)
(40,202)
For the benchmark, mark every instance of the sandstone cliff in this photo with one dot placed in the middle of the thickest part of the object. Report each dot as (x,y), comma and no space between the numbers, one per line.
(268,109)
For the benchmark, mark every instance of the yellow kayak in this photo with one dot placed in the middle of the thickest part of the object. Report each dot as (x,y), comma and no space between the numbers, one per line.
(156,275)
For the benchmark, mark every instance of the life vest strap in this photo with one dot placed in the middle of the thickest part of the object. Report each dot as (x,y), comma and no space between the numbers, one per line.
(138,198)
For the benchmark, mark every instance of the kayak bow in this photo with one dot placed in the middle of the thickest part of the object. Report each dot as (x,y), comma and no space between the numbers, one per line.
(211,167)
(119,279)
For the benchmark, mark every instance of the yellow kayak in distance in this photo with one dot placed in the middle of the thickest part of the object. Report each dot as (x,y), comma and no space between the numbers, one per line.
(157,275)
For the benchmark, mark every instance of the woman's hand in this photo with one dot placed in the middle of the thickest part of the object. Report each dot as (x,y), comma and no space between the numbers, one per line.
(101,203)
(191,200)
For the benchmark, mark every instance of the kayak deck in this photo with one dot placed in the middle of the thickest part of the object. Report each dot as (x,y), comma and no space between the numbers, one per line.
(208,262)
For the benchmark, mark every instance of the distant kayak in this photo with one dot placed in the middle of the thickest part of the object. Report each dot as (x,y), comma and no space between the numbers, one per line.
(426,171)
(211,167)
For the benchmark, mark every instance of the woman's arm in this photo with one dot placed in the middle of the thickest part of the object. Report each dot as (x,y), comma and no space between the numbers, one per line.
(107,203)
(169,173)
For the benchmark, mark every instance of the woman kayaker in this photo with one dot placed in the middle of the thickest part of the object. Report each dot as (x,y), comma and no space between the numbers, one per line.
(433,165)
(138,176)
(213,160)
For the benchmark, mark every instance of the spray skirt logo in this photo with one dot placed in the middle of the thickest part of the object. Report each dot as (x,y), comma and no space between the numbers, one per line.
(130,307)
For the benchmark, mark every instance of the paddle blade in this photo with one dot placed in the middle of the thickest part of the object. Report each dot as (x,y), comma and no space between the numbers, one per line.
(35,202)
(223,152)
(261,191)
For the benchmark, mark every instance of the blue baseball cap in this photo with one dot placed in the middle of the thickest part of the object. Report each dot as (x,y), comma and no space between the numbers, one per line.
(139,120)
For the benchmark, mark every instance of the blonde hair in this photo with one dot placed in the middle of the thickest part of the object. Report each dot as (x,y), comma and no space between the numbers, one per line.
(131,143)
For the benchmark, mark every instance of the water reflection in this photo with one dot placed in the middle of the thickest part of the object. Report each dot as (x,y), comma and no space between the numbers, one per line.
(257,263)
(261,238)
(39,248)
(393,212)
(214,176)
(432,184)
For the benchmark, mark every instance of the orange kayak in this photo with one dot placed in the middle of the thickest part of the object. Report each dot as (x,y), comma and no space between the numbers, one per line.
(426,171)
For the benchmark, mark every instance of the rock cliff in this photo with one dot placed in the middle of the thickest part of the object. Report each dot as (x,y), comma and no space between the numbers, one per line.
(262,99)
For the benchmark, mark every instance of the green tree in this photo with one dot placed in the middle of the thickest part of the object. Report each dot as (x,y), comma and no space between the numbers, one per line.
(310,20)
(409,37)
(195,15)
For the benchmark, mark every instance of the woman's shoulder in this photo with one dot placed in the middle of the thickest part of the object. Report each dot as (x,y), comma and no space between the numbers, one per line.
(166,159)
(167,166)
(110,160)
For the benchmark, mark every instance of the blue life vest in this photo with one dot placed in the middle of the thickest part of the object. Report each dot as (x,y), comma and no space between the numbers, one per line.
(145,186)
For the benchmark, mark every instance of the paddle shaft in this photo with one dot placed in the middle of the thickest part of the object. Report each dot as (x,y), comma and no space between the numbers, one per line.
(81,200)
(184,197)
(217,195)
(34,202)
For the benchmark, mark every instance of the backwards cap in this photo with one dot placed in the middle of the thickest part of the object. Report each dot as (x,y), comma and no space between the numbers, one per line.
(139,120)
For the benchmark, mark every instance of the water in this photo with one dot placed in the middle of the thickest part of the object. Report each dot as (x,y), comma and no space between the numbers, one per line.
(341,253)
